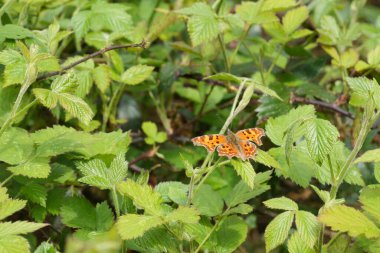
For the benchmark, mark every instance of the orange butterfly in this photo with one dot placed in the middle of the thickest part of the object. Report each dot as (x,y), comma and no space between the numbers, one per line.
(231,145)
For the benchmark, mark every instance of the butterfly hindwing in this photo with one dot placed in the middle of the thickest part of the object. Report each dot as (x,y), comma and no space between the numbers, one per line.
(251,134)
(228,150)
(210,142)
(248,149)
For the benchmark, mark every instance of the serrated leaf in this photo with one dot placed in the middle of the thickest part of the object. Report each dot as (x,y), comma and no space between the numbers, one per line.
(15,146)
(370,198)
(242,193)
(38,167)
(320,136)
(294,18)
(240,209)
(231,233)
(266,159)
(19,227)
(78,212)
(308,227)
(267,91)
(46,97)
(171,190)
(104,217)
(55,200)
(118,169)
(364,90)
(10,206)
(296,244)
(183,214)
(14,244)
(275,5)
(251,13)
(245,170)
(203,28)
(136,74)
(207,201)
(369,156)
(143,196)
(76,106)
(281,203)
(11,31)
(35,193)
(130,226)
(276,128)
(323,195)
(65,84)
(102,77)
(347,219)
(46,247)
(340,242)
(278,229)
(225,77)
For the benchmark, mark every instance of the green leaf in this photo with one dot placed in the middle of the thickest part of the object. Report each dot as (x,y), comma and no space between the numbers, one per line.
(77,107)
(251,13)
(149,128)
(203,28)
(136,74)
(370,198)
(242,193)
(240,209)
(19,227)
(78,212)
(143,196)
(9,206)
(65,84)
(296,244)
(277,128)
(267,91)
(230,234)
(323,195)
(339,243)
(96,173)
(38,167)
(46,97)
(278,229)
(130,226)
(183,214)
(14,244)
(245,170)
(275,5)
(173,191)
(308,227)
(281,203)
(320,136)
(347,219)
(377,172)
(294,18)
(15,146)
(35,193)
(104,217)
(102,77)
(55,200)
(207,201)
(10,31)
(225,77)
(364,90)
(46,247)
(266,159)
(369,156)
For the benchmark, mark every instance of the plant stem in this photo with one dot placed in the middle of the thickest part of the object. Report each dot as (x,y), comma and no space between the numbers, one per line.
(116,202)
(6,180)
(208,235)
(224,53)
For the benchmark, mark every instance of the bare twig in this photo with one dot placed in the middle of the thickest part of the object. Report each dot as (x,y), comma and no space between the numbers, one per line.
(142,44)
(332,107)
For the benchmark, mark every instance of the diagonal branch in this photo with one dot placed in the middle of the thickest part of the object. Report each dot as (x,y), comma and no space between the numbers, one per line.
(142,44)
(332,107)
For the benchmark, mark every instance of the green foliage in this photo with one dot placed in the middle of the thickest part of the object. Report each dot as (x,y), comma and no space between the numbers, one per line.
(99,102)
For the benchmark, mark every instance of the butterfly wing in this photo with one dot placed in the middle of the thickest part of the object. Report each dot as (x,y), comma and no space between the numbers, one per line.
(248,149)
(227,149)
(210,142)
(251,134)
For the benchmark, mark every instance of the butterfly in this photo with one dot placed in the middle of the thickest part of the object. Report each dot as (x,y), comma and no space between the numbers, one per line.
(233,144)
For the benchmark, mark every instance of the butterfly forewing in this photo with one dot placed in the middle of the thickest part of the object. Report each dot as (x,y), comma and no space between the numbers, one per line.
(210,142)
(251,134)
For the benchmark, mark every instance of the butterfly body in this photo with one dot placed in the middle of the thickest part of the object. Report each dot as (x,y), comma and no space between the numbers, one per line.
(233,144)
